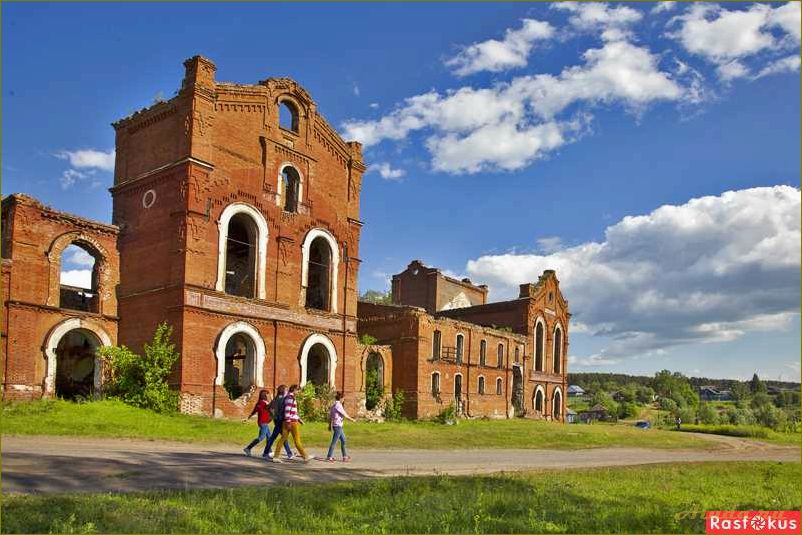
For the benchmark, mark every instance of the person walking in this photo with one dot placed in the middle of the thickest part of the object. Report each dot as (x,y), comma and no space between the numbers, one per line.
(292,426)
(277,411)
(337,415)
(262,420)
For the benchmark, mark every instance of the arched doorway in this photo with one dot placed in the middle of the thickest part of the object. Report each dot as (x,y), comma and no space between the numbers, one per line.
(458,392)
(75,364)
(374,380)
(240,365)
(556,410)
(317,365)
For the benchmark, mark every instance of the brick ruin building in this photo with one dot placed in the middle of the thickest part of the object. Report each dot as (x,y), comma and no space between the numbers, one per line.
(236,220)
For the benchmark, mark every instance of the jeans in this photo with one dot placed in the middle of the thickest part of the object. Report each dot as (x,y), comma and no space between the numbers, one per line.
(338,434)
(264,431)
(273,437)
(291,428)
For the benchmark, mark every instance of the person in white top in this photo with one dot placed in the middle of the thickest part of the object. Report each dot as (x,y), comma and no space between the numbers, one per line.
(337,415)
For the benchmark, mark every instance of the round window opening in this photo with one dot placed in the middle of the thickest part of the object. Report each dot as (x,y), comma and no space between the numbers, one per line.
(148,198)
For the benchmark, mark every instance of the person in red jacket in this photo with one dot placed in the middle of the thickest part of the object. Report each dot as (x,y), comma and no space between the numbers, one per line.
(261,409)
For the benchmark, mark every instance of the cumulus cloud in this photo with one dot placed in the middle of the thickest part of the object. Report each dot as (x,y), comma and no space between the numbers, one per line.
(82,278)
(84,164)
(89,159)
(387,172)
(76,256)
(726,37)
(709,270)
(512,124)
(613,23)
(662,7)
(783,65)
(496,56)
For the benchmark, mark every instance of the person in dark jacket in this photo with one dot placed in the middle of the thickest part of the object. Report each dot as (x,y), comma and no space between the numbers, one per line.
(277,411)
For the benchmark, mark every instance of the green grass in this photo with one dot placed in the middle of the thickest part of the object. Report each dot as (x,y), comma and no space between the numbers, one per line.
(643,499)
(116,420)
(746,431)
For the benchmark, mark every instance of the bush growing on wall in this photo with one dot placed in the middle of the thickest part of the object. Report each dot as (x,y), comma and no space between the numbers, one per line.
(314,402)
(394,406)
(141,381)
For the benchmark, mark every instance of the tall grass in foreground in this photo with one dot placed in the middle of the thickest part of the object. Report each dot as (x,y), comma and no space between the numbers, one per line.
(116,420)
(643,499)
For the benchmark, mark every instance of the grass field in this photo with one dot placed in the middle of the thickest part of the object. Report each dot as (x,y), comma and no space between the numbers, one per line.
(746,431)
(644,499)
(114,419)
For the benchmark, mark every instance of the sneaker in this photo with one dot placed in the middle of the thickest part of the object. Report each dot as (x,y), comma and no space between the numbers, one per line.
(291,456)
(331,459)
(247,452)
(276,460)
(307,458)
(346,459)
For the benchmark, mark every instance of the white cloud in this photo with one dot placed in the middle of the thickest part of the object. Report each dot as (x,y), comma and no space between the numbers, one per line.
(709,270)
(550,244)
(82,278)
(71,176)
(723,36)
(663,7)
(387,172)
(496,56)
(89,159)
(355,89)
(77,256)
(597,359)
(509,125)
(374,105)
(613,23)
(783,65)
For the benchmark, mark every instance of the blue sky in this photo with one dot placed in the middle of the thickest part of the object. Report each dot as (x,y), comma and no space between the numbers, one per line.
(503,139)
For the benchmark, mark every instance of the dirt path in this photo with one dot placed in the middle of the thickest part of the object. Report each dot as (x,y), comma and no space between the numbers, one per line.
(63,464)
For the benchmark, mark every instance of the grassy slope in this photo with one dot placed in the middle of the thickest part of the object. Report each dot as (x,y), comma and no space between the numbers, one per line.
(746,431)
(113,419)
(645,499)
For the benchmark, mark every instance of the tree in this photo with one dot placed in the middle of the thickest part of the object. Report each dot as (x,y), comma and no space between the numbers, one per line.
(377,297)
(707,414)
(756,385)
(740,393)
(644,394)
(141,381)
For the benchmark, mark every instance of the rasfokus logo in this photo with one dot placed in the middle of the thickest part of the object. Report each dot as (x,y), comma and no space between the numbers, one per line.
(737,522)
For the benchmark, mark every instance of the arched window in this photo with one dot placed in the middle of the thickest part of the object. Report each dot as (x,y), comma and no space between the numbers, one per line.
(319,272)
(436,335)
(483,353)
(539,400)
(318,360)
(318,286)
(317,365)
(517,354)
(436,384)
(500,356)
(481,385)
(459,348)
(499,386)
(241,255)
(288,116)
(242,251)
(290,188)
(458,387)
(539,346)
(557,407)
(240,365)
(78,288)
(558,349)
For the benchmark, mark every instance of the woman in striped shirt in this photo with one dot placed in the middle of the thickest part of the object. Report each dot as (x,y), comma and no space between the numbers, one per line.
(292,426)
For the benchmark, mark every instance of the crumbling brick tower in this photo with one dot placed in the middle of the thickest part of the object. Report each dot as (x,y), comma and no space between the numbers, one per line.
(238,208)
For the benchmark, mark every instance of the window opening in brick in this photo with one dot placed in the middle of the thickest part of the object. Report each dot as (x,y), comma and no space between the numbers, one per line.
(241,256)
(317,365)
(288,116)
(318,286)
(78,279)
(374,380)
(558,347)
(436,345)
(539,347)
(290,180)
(240,372)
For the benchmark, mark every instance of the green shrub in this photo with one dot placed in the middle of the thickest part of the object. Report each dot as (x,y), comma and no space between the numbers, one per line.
(314,402)
(627,410)
(394,406)
(746,431)
(707,414)
(141,381)
(374,390)
(448,415)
